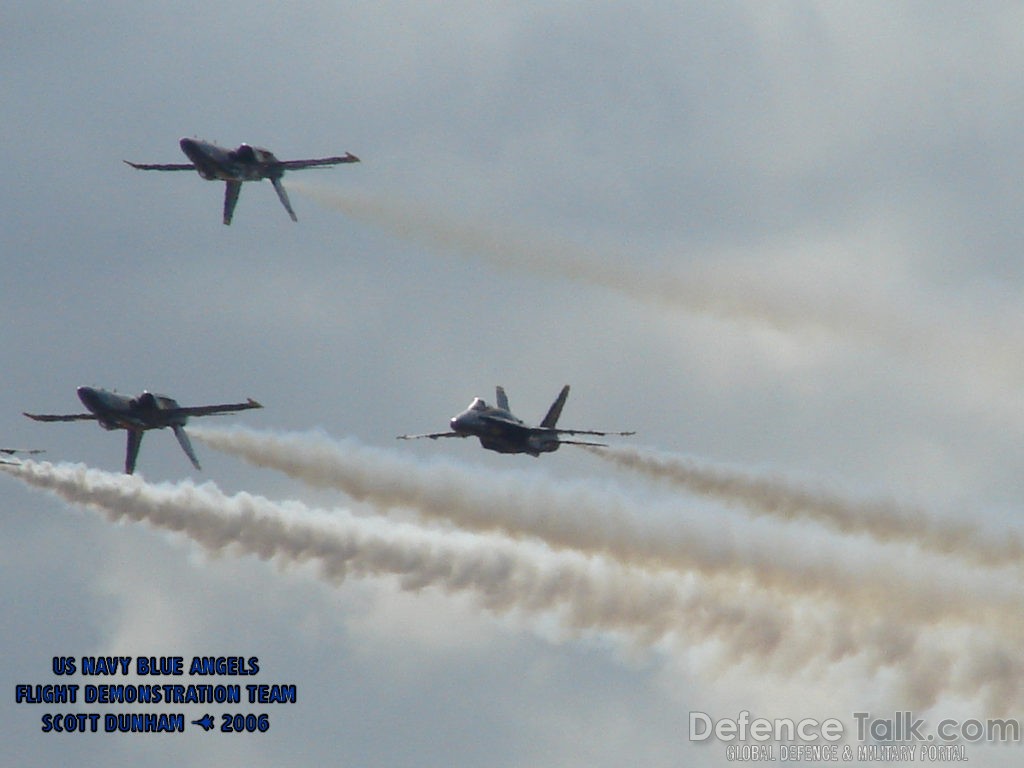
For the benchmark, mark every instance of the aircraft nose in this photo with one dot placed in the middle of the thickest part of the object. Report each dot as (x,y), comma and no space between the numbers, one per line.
(87,395)
(463,423)
(190,147)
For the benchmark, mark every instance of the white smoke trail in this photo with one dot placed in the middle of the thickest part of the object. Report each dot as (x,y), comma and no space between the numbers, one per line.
(598,520)
(885,521)
(505,575)
(743,626)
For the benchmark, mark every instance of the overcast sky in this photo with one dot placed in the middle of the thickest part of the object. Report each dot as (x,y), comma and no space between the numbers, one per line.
(782,237)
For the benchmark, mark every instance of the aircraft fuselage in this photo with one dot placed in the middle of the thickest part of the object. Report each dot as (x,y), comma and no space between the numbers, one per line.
(498,430)
(246,163)
(114,411)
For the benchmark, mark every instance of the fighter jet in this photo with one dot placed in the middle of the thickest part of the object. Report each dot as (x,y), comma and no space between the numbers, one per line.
(498,430)
(137,414)
(233,166)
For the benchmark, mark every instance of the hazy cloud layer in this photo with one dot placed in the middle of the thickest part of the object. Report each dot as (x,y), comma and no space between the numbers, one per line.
(781,240)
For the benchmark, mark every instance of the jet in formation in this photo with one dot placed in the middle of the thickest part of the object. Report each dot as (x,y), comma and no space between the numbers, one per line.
(137,414)
(13,451)
(498,430)
(233,166)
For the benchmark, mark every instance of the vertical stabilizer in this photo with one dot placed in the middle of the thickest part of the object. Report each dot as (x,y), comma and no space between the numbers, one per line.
(283,195)
(556,409)
(231,191)
(132,453)
(186,444)
(502,398)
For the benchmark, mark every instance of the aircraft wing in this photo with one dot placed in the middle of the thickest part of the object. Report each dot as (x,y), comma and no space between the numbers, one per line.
(162,166)
(12,451)
(61,417)
(432,436)
(587,432)
(209,410)
(296,165)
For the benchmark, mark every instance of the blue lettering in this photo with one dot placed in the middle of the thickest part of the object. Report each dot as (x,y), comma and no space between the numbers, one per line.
(164,665)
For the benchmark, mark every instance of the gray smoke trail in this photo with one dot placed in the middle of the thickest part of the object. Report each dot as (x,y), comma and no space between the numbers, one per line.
(600,520)
(885,521)
(986,347)
(704,290)
(744,625)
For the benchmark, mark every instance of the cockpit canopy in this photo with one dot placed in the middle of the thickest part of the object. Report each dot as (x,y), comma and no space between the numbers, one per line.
(151,402)
(245,153)
(478,405)
(250,155)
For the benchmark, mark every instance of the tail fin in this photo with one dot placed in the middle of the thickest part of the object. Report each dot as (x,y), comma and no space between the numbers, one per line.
(502,398)
(284,198)
(186,445)
(556,409)
(231,190)
(132,453)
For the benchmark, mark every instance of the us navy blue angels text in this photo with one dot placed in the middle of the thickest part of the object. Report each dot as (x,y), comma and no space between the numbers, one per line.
(156,665)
